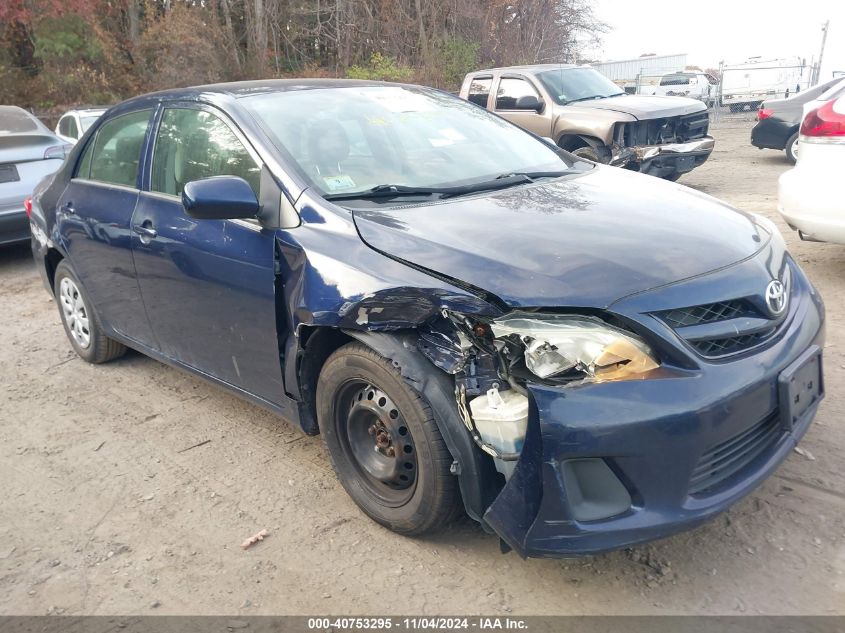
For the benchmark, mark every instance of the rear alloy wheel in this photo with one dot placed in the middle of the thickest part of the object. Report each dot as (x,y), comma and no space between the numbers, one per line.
(81,324)
(384,443)
(792,148)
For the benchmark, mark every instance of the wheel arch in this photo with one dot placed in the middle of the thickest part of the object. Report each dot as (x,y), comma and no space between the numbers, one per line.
(52,259)
(475,471)
(316,344)
(570,141)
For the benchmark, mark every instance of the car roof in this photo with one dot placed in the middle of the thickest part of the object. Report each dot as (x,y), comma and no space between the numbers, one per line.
(528,68)
(239,89)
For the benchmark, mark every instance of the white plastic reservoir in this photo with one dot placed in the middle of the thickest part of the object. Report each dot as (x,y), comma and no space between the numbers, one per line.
(501,419)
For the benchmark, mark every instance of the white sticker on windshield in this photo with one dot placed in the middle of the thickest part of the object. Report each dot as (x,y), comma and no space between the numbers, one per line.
(447,136)
(336,183)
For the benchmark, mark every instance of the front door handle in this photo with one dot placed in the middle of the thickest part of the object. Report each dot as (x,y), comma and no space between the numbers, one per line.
(145,230)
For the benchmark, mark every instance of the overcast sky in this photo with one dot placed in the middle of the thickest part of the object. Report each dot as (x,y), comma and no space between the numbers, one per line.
(729,30)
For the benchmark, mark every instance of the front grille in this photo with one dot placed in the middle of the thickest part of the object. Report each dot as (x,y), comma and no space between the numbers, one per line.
(721,462)
(676,129)
(706,313)
(719,329)
(730,345)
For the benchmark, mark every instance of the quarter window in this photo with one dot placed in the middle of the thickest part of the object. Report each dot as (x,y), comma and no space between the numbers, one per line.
(511,89)
(115,152)
(479,90)
(195,144)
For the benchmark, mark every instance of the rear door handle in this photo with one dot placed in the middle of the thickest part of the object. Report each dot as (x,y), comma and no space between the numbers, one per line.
(68,207)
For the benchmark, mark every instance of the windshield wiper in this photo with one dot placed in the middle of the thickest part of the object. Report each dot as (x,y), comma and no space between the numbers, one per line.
(386,191)
(502,181)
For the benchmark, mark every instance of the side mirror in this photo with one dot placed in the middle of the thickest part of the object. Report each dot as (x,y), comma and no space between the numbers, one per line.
(528,102)
(219,198)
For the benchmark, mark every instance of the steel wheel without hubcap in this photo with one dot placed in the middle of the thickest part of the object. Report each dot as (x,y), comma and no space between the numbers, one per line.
(376,436)
(75,312)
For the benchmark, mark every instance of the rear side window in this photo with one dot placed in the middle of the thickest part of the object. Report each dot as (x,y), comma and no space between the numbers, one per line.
(15,121)
(675,80)
(195,144)
(115,152)
(67,127)
(479,90)
(511,89)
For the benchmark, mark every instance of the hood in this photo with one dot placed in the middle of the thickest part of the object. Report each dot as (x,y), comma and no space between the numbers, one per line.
(585,241)
(644,106)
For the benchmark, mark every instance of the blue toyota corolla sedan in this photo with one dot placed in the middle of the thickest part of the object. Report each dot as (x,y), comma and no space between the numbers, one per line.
(579,357)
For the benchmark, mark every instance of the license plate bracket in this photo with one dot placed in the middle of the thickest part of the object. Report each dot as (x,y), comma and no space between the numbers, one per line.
(684,164)
(800,387)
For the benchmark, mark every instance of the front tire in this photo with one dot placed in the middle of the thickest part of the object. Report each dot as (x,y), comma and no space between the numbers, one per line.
(82,327)
(597,155)
(384,443)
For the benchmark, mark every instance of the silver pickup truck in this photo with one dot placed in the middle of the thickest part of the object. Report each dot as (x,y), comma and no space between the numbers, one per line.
(590,116)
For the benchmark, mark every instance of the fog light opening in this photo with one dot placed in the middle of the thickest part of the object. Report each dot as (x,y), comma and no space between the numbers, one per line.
(593,491)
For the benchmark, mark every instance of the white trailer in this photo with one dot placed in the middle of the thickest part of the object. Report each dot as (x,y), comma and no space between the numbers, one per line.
(750,83)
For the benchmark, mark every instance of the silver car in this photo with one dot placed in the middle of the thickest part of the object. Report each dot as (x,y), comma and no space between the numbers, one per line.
(29,151)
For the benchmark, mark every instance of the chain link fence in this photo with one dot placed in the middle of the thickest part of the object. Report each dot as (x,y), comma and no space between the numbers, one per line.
(736,92)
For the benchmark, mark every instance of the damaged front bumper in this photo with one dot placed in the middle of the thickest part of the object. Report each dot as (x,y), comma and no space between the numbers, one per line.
(609,465)
(666,159)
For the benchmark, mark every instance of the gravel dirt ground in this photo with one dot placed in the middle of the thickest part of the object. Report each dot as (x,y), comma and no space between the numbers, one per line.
(104,508)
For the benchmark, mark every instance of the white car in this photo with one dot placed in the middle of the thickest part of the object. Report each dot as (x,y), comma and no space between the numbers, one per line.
(694,85)
(811,197)
(75,123)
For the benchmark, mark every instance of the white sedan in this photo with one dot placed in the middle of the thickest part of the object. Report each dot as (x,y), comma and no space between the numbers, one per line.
(811,195)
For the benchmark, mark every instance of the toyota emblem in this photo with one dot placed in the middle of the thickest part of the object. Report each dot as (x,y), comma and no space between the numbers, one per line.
(776,297)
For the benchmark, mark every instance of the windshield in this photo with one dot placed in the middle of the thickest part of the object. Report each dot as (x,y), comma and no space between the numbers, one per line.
(355,139)
(567,85)
(87,121)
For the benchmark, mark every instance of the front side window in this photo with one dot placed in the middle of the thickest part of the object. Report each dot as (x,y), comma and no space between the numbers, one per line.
(510,90)
(347,140)
(195,144)
(479,90)
(115,152)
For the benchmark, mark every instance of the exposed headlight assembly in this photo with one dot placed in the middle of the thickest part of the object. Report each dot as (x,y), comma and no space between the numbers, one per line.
(557,345)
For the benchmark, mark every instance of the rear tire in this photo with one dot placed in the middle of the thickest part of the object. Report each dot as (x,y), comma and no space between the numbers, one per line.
(82,327)
(384,443)
(791,148)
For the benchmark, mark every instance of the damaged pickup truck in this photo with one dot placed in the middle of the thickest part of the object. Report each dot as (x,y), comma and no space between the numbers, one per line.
(589,115)
(581,358)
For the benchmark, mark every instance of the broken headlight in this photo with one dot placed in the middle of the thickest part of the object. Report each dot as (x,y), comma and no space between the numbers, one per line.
(558,346)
